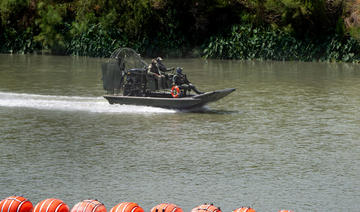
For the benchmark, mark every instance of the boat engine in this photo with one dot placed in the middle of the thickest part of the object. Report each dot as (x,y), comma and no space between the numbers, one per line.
(135,84)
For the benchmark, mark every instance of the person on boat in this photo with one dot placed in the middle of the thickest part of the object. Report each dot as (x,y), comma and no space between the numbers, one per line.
(160,65)
(182,82)
(154,70)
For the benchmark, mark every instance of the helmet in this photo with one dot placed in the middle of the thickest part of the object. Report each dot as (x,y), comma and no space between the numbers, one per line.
(159,59)
(178,70)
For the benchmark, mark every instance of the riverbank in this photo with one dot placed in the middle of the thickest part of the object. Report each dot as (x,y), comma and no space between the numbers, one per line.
(241,42)
(248,42)
(270,30)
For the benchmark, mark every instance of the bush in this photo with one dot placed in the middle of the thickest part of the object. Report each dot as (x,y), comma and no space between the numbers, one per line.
(300,30)
(16,42)
(95,42)
(248,42)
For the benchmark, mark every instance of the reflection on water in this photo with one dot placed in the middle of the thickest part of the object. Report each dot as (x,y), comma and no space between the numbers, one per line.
(288,137)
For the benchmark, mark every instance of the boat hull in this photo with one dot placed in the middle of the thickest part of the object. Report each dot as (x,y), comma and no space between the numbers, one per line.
(172,103)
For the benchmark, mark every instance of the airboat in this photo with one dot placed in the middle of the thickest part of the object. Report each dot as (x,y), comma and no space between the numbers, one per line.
(126,80)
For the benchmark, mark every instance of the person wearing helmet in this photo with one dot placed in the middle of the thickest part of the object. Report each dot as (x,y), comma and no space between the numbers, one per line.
(161,67)
(181,80)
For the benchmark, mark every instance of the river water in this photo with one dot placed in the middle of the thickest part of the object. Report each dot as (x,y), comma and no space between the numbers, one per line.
(287,138)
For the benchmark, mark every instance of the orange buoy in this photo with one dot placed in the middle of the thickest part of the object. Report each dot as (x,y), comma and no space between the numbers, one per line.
(244,209)
(286,211)
(175,91)
(206,208)
(166,207)
(89,206)
(51,205)
(127,207)
(15,204)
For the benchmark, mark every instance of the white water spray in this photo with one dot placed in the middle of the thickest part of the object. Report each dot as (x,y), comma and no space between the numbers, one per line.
(71,103)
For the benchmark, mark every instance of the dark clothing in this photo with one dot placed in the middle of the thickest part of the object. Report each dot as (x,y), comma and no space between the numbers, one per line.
(180,79)
(189,87)
(161,66)
(153,68)
(184,84)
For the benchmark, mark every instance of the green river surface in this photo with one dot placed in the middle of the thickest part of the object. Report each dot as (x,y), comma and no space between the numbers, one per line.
(287,138)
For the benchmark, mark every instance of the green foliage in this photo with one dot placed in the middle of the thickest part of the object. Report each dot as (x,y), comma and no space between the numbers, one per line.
(248,42)
(16,31)
(13,41)
(355,32)
(243,29)
(50,23)
(96,42)
(8,8)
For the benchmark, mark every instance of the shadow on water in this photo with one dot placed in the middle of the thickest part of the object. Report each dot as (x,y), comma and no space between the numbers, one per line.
(207,110)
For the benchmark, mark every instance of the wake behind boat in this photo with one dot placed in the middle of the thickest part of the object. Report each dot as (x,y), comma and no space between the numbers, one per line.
(130,80)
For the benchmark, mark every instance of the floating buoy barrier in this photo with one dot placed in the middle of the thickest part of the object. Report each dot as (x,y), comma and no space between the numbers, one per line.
(16,204)
(206,208)
(21,204)
(51,205)
(244,209)
(166,207)
(127,207)
(89,206)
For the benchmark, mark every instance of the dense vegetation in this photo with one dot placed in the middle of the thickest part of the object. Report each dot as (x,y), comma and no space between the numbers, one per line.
(237,29)
(247,42)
